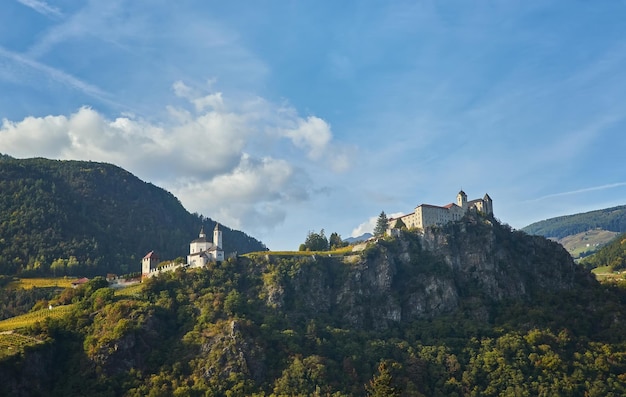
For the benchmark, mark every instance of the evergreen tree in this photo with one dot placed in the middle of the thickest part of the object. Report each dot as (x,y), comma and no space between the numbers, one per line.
(381,385)
(335,241)
(381,224)
(315,242)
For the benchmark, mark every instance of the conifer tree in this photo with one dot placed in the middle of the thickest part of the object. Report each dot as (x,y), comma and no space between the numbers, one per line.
(381,224)
(381,385)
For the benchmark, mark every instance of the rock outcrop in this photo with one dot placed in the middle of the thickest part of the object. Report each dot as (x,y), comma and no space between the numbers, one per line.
(421,275)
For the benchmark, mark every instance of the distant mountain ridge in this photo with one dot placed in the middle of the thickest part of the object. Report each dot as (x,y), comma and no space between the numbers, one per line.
(612,219)
(585,233)
(78,217)
(363,237)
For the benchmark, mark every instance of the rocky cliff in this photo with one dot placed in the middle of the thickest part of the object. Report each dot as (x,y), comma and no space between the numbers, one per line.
(420,275)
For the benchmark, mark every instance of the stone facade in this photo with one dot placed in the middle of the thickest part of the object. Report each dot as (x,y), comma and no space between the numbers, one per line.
(426,215)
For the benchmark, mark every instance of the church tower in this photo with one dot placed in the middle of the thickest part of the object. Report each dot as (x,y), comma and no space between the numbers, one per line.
(461,200)
(488,204)
(217,237)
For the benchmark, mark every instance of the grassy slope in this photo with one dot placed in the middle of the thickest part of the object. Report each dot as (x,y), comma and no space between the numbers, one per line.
(589,241)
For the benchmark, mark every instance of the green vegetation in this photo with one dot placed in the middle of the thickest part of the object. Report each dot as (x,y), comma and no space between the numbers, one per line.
(13,343)
(318,242)
(612,256)
(29,319)
(42,282)
(79,218)
(288,325)
(586,243)
(610,219)
(381,224)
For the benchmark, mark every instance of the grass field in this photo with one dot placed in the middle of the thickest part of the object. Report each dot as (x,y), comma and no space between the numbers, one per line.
(28,283)
(591,240)
(12,343)
(27,319)
(132,290)
(338,252)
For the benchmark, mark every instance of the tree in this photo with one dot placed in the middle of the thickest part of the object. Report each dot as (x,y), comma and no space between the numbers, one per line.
(335,241)
(381,385)
(381,224)
(315,242)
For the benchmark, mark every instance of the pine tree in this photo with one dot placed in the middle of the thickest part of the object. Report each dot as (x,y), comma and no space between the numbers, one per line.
(381,224)
(381,385)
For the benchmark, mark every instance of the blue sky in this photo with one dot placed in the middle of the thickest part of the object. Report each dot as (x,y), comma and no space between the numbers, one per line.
(283,117)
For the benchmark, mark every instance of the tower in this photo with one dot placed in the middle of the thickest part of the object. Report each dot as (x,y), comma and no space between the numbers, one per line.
(488,204)
(217,237)
(149,262)
(461,200)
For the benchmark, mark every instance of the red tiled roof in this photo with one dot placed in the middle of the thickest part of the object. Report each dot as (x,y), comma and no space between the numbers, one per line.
(80,281)
(151,254)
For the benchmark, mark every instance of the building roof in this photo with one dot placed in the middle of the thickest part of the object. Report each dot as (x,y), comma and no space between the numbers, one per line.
(80,281)
(151,255)
(431,206)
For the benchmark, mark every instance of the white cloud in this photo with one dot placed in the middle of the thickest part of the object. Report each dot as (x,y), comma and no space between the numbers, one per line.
(58,75)
(312,134)
(369,225)
(214,155)
(42,7)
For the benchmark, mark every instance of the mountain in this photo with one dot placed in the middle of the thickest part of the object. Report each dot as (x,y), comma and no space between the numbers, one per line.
(471,308)
(363,237)
(87,218)
(611,219)
(583,234)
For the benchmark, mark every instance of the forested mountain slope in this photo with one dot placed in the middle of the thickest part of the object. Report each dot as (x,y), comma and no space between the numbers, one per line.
(612,255)
(611,219)
(91,218)
(469,309)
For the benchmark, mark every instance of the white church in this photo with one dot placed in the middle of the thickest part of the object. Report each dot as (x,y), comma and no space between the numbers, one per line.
(201,252)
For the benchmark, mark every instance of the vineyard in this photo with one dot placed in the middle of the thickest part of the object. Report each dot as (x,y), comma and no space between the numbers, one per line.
(28,319)
(28,283)
(12,343)
(133,290)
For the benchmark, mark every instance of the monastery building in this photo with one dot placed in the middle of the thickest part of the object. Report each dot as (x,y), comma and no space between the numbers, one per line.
(429,215)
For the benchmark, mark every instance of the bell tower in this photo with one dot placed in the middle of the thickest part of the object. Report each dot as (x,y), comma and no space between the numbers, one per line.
(461,200)
(217,236)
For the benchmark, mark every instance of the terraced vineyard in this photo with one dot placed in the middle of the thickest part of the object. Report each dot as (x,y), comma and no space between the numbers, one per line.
(13,343)
(27,319)
(42,282)
(132,290)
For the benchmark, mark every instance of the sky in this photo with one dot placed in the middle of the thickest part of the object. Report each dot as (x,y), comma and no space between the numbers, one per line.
(281,117)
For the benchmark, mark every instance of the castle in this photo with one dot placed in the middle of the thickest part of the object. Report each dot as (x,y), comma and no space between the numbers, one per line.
(201,252)
(429,215)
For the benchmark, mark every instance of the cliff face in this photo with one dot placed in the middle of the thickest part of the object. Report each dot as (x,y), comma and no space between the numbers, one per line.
(422,275)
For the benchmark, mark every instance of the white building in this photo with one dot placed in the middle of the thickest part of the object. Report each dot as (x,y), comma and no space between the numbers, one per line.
(429,215)
(201,252)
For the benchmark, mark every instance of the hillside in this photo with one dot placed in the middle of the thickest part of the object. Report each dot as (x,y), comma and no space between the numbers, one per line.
(610,219)
(611,256)
(582,234)
(469,309)
(75,217)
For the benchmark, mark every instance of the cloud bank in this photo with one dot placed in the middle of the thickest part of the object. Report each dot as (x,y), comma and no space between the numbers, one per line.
(229,160)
